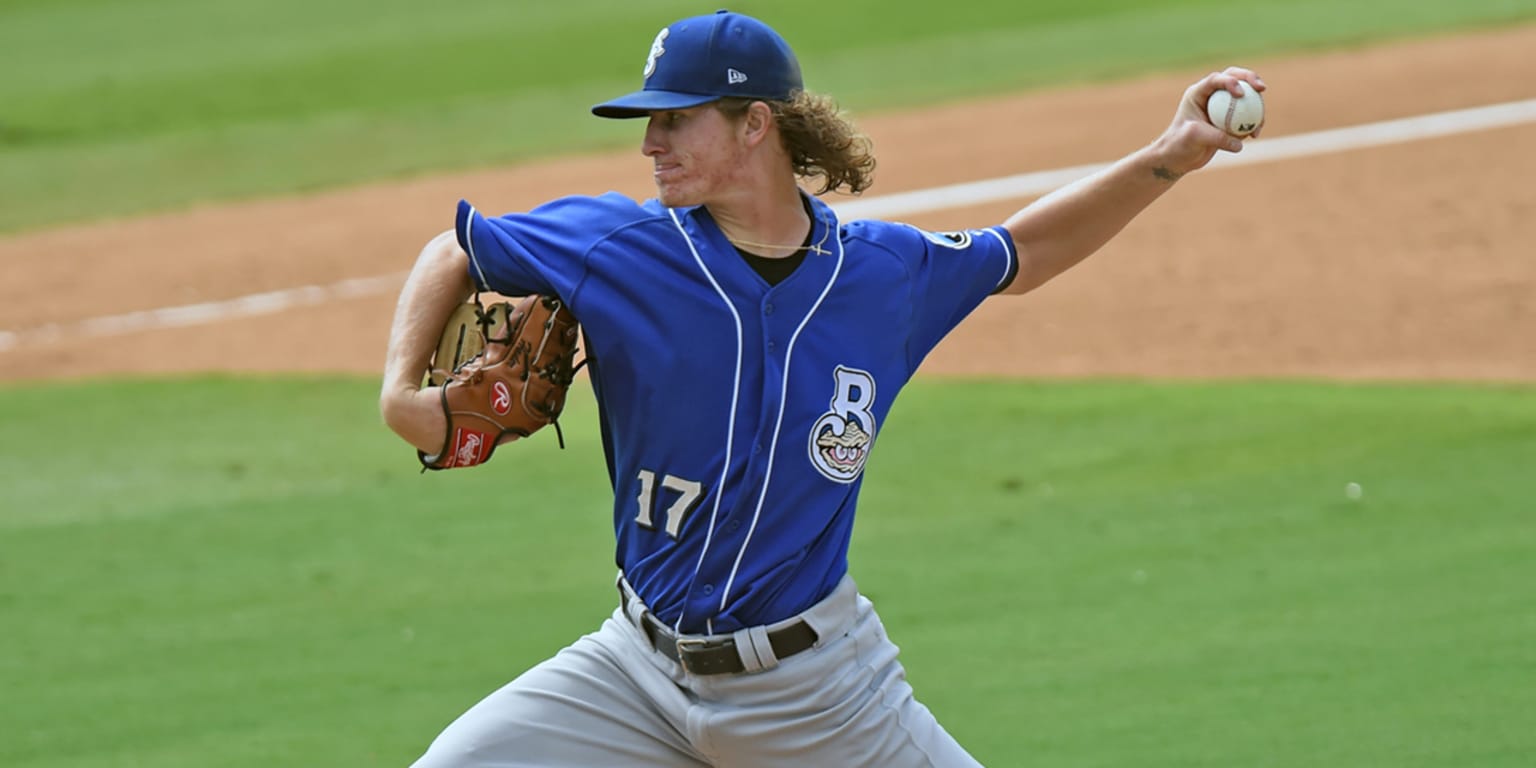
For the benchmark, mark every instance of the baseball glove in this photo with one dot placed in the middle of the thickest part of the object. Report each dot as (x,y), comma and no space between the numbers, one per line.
(504,372)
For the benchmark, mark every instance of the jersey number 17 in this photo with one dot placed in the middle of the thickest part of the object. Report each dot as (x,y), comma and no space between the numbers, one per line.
(688,495)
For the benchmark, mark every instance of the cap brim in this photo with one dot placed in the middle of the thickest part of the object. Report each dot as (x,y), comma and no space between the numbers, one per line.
(643,103)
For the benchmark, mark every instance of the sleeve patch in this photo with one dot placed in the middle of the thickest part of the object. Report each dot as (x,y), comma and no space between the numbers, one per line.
(958,241)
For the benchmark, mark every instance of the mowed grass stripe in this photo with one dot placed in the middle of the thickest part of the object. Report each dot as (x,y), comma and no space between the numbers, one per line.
(252,572)
(121,109)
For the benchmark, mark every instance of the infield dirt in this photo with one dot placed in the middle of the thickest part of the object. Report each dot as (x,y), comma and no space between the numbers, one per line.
(1411,261)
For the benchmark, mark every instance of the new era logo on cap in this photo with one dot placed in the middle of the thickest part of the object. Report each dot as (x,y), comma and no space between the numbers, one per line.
(686,61)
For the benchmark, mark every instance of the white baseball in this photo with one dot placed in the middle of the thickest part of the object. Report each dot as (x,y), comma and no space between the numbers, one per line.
(1239,116)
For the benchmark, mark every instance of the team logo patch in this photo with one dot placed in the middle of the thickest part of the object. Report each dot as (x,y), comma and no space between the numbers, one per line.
(956,240)
(840,440)
(657,49)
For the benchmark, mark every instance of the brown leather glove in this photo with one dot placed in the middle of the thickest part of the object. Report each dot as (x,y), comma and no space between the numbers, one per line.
(504,372)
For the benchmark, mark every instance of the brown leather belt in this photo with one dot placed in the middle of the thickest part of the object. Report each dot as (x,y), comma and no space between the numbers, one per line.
(717,655)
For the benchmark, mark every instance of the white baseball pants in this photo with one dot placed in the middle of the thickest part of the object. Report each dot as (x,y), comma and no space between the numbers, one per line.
(610,699)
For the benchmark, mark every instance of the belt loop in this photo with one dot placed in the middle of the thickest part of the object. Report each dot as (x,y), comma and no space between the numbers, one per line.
(755,650)
(633,608)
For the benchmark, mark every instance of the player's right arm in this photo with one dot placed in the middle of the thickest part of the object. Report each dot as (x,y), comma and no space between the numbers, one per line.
(1065,227)
(438,283)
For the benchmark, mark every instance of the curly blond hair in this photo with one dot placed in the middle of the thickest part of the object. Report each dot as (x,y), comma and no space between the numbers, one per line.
(820,140)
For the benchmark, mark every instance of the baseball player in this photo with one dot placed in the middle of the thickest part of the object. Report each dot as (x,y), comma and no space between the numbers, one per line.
(745,346)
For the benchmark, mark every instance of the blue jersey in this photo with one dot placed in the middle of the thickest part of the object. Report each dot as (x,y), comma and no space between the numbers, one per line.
(737,416)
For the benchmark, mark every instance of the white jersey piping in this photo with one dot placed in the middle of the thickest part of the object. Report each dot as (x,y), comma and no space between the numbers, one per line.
(773,446)
(469,246)
(730,432)
(1011,257)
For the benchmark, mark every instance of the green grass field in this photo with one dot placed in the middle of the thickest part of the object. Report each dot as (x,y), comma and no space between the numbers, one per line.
(252,573)
(114,108)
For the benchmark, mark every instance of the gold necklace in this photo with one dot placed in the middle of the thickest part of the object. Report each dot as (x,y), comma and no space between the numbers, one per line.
(813,248)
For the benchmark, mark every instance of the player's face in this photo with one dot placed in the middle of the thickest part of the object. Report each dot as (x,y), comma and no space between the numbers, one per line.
(696,153)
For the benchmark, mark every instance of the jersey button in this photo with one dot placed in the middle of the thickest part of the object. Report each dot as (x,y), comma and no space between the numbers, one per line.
(733,526)
(709,589)
(767,309)
(772,346)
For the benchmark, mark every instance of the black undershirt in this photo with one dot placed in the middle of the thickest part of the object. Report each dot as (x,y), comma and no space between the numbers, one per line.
(775,270)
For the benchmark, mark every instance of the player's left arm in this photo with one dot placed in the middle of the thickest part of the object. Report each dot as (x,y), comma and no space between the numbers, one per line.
(438,282)
(1067,226)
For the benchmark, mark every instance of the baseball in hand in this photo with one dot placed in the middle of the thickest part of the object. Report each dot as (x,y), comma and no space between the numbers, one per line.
(1237,115)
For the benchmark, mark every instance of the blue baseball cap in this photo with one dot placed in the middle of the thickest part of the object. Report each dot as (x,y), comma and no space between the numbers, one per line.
(706,58)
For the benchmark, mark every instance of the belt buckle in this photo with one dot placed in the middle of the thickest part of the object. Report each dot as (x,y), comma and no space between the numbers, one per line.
(686,645)
(690,645)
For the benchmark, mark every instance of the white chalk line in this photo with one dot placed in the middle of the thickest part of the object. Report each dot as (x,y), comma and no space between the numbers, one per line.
(949,197)
(1260,151)
(202,314)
